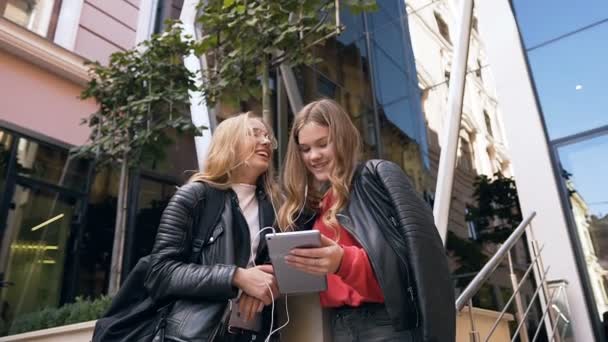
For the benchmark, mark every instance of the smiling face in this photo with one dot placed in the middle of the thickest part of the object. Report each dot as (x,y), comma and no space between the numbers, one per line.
(316,150)
(257,148)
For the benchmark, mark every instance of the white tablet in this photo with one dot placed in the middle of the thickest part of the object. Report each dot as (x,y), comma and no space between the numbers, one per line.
(289,279)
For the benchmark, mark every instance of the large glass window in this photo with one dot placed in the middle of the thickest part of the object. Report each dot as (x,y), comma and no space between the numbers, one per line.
(570,76)
(50,164)
(153,197)
(95,249)
(567,52)
(584,170)
(38,16)
(35,248)
(177,160)
(58,220)
(398,97)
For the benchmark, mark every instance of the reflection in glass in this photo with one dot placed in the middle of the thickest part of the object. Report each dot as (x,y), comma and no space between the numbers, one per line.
(542,20)
(175,159)
(152,199)
(34,249)
(398,97)
(584,170)
(570,77)
(95,251)
(34,15)
(345,75)
(50,164)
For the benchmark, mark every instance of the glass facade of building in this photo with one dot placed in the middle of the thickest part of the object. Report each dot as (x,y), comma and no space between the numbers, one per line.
(567,51)
(370,70)
(57,220)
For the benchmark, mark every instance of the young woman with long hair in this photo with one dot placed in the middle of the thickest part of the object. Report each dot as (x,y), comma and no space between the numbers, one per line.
(388,278)
(239,174)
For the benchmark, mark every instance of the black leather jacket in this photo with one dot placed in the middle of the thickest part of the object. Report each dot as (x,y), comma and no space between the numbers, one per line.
(201,284)
(407,256)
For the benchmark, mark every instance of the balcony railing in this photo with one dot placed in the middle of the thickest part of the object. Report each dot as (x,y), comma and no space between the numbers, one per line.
(555,313)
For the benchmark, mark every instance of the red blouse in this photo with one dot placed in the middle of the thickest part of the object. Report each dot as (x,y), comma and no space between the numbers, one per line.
(355,282)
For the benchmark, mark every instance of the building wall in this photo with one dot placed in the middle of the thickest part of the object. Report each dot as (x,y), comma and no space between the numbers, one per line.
(106,27)
(41,78)
(37,100)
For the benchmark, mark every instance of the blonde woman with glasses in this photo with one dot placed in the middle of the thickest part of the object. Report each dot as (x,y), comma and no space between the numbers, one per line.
(239,176)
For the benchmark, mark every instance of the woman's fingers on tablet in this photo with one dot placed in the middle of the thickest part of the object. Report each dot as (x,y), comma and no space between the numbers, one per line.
(310,265)
(310,252)
(325,260)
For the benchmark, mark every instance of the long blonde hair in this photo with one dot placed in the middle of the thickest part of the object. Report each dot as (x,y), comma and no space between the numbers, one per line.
(225,155)
(347,150)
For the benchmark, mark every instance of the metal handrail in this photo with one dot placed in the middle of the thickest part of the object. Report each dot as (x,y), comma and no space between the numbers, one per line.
(515,292)
(489,267)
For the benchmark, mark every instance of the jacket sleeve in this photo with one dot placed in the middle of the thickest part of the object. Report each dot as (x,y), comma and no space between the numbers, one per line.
(425,253)
(171,274)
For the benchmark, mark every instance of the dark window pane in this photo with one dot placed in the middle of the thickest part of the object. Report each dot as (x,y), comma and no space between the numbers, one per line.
(443,27)
(34,251)
(584,170)
(6,141)
(178,159)
(325,87)
(153,197)
(398,121)
(542,20)
(570,77)
(486,118)
(356,76)
(50,164)
(98,234)
(305,77)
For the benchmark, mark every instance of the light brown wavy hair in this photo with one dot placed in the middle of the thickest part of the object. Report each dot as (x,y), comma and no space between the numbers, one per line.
(347,146)
(225,156)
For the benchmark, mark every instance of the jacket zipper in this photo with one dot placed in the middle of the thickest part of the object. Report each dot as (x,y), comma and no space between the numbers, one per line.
(410,290)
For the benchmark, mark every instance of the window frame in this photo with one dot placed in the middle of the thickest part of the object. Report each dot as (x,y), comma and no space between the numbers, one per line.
(50,33)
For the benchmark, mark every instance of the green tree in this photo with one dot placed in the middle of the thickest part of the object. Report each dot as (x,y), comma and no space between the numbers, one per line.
(496,213)
(244,39)
(142,95)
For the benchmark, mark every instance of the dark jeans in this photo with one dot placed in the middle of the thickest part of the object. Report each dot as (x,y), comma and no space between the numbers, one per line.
(368,323)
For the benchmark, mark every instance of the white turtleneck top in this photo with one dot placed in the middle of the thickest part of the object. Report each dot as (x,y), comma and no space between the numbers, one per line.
(250,208)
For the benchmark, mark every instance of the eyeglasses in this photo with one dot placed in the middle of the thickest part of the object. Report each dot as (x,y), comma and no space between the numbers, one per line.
(262,136)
